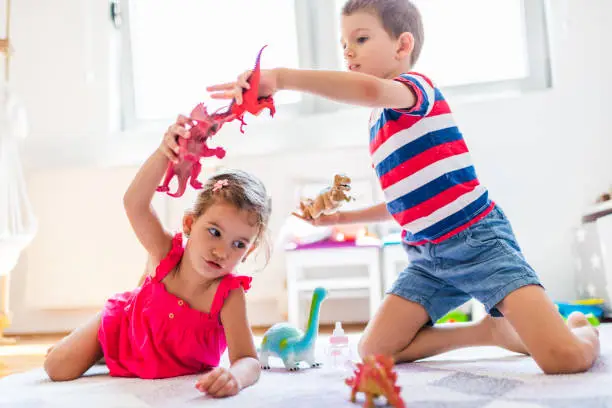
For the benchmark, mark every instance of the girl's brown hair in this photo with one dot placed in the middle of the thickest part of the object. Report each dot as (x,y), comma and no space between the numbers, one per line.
(242,190)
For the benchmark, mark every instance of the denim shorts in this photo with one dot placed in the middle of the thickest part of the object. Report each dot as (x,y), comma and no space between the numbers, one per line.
(483,262)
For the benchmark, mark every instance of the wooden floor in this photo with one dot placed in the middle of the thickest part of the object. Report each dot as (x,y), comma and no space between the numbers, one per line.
(29,351)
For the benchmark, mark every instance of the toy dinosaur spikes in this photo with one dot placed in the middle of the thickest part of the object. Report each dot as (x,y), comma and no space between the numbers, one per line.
(251,102)
(375,377)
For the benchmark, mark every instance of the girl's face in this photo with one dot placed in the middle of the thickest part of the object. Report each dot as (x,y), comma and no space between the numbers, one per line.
(219,239)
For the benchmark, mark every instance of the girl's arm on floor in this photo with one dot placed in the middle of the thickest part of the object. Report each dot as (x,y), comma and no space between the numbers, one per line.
(242,353)
(245,369)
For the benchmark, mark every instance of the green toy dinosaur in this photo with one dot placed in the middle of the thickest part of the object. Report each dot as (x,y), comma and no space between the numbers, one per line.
(290,343)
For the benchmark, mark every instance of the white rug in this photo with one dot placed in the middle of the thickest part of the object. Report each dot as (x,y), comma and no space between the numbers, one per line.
(471,378)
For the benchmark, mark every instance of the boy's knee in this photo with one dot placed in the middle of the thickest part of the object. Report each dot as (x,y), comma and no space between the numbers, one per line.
(368,347)
(566,359)
(364,347)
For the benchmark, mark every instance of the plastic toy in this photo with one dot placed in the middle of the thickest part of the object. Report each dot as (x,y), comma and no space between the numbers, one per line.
(594,321)
(454,316)
(567,308)
(328,201)
(589,302)
(191,150)
(204,126)
(290,343)
(251,102)
(339,349)
(589,307)
(375,377)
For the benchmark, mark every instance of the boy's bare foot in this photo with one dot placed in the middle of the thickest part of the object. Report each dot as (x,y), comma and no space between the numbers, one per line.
(503,334)
(589,335)
(577,320)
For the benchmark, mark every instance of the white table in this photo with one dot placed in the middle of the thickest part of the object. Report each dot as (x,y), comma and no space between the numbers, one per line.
(327,256)
(394,260)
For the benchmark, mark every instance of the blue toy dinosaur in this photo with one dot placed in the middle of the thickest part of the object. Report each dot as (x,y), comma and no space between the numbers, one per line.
(290,343)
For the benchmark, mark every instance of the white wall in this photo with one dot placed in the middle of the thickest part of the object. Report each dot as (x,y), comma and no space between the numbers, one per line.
(543,156)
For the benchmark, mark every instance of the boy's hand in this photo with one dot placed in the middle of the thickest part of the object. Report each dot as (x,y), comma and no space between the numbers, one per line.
(169,145)
(322,220)
(268,85)
(219,382)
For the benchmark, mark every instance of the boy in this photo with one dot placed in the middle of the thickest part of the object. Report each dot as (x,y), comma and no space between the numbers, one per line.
(459,243)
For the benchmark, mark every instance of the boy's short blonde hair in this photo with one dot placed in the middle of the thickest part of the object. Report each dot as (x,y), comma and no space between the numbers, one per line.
(397,16)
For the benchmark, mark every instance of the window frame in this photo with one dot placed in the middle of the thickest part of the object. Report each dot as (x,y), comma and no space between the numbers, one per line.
(538,54)
(317,28)
(128,119)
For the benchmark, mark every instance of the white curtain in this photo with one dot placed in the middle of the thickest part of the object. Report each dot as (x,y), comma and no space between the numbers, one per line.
(17,222)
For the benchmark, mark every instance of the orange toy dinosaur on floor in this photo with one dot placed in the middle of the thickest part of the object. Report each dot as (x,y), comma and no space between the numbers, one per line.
(375,377)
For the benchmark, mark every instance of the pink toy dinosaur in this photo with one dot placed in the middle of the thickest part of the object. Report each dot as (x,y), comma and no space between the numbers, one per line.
(204,127)
(191,150)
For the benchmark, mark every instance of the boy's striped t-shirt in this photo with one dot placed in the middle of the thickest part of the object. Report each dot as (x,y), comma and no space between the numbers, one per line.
(424,166)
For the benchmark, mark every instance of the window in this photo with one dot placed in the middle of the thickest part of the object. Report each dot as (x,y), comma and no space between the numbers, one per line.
(174,49)
(478,42)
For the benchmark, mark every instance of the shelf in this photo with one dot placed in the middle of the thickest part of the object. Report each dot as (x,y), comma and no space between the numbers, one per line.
(334,284)
(340,294)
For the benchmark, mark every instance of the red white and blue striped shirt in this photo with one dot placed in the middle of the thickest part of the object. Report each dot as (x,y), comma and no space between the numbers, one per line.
(424,166)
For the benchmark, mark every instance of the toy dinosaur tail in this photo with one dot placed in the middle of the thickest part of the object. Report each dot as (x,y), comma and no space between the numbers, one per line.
(256,68)
(251,95)
(180,190)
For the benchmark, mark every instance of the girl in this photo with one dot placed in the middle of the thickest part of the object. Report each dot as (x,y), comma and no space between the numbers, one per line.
(192,307)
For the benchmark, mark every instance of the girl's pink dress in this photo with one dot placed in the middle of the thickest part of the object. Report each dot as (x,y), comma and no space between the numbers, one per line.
(151,333)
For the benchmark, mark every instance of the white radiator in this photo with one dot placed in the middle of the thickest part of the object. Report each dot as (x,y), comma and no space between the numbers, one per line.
(85,249)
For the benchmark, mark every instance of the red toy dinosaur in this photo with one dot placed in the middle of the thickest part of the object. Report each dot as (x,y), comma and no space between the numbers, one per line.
(205,126)
(375,377)
(251,102)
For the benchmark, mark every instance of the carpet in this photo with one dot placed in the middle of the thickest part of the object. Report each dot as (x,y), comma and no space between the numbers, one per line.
(481,377)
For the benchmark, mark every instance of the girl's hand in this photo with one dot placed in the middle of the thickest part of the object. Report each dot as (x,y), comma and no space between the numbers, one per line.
(322,220)
(268,85)
(169,145)
(218,383)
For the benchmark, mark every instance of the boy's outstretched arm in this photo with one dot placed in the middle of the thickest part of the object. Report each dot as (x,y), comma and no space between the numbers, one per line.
(349,87)
(375,213)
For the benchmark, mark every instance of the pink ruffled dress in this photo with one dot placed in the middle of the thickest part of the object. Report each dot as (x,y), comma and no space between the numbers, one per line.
(151,333)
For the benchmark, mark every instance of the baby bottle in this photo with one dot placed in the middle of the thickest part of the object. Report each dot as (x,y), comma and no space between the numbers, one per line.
(339,350)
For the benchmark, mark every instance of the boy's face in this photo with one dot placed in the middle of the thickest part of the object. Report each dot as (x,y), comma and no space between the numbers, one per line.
(368,48)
